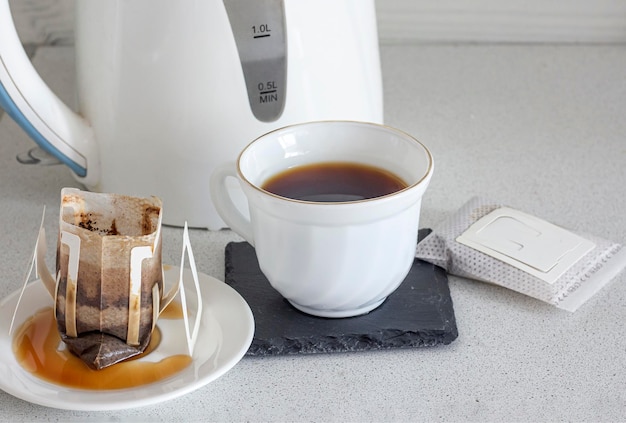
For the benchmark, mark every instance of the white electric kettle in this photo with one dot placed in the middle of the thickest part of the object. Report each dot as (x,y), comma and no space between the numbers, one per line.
(168,90)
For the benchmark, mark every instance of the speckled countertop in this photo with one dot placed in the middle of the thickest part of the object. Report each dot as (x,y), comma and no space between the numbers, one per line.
(541,128)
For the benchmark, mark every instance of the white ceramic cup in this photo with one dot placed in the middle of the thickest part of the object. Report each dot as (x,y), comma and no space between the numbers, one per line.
(329,259)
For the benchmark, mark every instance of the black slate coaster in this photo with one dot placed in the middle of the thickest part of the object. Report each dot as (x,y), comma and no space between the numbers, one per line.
(418,314)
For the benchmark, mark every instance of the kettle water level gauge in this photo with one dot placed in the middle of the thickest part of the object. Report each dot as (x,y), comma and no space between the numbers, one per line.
(259,30)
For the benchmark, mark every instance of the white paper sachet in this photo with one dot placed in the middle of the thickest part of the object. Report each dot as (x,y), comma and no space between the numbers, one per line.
(489,242)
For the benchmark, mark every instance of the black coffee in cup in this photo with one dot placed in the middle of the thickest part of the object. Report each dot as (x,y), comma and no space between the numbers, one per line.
(334,182)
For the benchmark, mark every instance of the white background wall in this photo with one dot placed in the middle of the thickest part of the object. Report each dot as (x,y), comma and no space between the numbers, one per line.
(400,21)
(502,20)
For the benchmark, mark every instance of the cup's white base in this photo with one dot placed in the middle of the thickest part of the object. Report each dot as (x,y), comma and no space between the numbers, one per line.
(338,313)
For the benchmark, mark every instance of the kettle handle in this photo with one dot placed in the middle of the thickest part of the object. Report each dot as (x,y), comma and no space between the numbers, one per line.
(39,112)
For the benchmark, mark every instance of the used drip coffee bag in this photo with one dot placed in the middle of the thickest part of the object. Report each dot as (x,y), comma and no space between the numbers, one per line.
(109,274)
(487,241)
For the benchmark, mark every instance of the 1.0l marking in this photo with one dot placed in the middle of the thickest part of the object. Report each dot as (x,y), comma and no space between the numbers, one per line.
(261,31)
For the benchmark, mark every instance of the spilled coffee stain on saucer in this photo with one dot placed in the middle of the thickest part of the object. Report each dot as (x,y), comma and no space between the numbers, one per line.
(39,350)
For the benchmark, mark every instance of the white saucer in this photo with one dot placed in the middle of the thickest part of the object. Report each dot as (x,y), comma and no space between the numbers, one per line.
(225,335)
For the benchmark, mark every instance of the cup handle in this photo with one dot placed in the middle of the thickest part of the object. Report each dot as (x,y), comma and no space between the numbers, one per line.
(224,204)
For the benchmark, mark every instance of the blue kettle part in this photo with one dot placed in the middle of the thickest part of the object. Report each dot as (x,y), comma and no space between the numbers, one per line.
(7,103)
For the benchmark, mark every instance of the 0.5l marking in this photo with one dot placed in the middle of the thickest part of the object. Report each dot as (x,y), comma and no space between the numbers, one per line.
(267,92)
